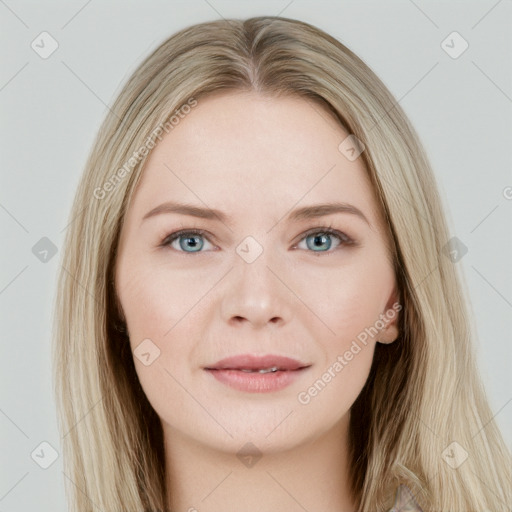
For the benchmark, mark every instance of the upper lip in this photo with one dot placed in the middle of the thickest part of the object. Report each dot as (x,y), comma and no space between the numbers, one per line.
(255,362)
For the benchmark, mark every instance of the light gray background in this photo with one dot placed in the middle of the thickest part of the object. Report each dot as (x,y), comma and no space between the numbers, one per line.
(52,108)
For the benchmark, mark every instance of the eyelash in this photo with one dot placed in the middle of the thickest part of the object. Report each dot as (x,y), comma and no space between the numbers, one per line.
(345,240)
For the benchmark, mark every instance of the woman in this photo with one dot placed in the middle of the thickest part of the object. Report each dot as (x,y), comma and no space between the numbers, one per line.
(207,356)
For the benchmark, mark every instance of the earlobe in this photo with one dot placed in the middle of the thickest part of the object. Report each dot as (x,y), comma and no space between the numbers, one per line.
(389,333)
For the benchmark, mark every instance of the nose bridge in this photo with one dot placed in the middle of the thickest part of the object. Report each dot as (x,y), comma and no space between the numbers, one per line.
(253,291)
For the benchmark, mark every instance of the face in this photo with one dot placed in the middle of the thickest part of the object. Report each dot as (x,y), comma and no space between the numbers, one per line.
(255,278)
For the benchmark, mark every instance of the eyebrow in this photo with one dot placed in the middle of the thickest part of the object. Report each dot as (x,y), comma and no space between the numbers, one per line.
(304,213)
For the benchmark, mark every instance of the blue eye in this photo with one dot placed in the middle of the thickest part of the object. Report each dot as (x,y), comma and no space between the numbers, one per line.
(322,239)
(186,242)
(192,240)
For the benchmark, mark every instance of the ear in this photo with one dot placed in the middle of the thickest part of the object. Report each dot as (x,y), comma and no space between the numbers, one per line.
(389,316)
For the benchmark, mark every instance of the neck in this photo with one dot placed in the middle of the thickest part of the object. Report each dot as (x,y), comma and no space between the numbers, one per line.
(312,476)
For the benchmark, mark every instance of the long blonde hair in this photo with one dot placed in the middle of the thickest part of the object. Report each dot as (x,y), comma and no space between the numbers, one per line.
(423,393)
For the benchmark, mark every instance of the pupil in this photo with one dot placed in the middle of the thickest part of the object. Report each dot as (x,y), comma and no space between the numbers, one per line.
(191,242)
(320,240)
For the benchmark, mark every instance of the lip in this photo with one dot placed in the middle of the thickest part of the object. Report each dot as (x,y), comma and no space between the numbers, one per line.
(229,371)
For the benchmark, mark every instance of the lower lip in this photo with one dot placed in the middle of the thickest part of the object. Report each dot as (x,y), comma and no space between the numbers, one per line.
(254,382)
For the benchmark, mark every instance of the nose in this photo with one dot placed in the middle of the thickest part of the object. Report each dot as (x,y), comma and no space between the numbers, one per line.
(254,294)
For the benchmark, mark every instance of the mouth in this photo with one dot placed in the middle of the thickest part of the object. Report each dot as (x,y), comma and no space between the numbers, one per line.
(261,364)
(257,374)
(252,370)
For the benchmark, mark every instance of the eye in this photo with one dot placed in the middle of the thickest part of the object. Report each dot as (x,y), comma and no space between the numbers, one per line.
(193,240)
(187,239)
(320,238)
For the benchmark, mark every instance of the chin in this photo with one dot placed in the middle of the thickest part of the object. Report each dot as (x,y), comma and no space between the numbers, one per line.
(277,430)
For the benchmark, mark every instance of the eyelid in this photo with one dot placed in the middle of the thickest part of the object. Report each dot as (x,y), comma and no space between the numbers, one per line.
(171,237)
(345,240)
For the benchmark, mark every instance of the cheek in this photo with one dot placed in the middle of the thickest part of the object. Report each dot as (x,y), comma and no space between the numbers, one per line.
(159,312)
(142,304)
(348,299)
(165,307)
(332,391)
(154,298)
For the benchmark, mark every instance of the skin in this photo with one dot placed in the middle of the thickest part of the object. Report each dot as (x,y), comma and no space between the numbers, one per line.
(255,158)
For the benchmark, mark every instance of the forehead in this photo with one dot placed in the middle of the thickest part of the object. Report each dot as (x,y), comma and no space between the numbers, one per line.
(262,154)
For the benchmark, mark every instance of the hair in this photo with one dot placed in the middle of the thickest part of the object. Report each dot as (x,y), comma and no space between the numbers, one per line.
(423,391)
